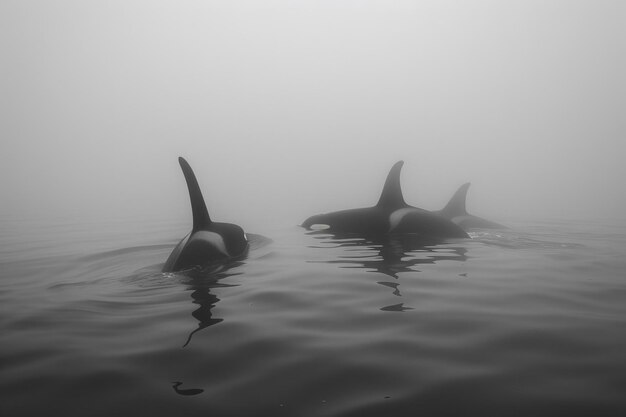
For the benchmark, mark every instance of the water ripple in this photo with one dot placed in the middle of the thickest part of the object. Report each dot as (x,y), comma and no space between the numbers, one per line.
(527,321)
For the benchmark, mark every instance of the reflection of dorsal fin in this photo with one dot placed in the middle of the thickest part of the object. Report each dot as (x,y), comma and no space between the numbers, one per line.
(392,193)
(456,205)
(201,326)
(201,219)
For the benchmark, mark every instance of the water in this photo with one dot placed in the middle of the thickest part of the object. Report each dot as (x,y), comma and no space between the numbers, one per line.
(526,321)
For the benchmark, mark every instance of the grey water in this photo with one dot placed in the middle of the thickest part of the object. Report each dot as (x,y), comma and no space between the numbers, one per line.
(529,320)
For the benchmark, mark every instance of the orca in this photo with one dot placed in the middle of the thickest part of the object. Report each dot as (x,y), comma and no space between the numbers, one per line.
(208,241)
(456,212)
(391,215)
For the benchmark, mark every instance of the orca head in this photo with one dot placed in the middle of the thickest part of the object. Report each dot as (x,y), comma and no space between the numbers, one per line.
(317,222)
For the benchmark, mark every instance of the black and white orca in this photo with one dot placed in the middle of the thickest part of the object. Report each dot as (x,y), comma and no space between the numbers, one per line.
(208,241)
(456,212)
(391,215)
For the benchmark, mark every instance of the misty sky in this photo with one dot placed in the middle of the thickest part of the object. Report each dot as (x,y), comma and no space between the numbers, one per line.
(288,108)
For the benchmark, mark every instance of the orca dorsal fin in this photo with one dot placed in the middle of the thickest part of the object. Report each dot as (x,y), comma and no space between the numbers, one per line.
(391,196)
(201,219)
(456,205)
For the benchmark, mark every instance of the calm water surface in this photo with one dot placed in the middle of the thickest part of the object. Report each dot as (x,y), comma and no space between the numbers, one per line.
(527,321)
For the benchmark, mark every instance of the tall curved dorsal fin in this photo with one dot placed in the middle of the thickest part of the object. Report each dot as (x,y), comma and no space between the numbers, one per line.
(456,205)
(392,193)
(201,219)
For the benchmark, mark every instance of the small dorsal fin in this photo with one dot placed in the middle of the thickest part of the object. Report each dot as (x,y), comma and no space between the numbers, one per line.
(201,219)
(456,205)
(392,193)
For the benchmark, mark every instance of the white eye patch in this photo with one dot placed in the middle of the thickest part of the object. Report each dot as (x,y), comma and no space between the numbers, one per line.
(319,226)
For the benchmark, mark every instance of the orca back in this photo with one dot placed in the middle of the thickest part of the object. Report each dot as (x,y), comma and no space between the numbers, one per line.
(208,241)
(456,205)
(456,211)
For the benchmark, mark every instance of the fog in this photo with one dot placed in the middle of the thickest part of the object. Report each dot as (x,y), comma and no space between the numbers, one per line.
(289,108)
